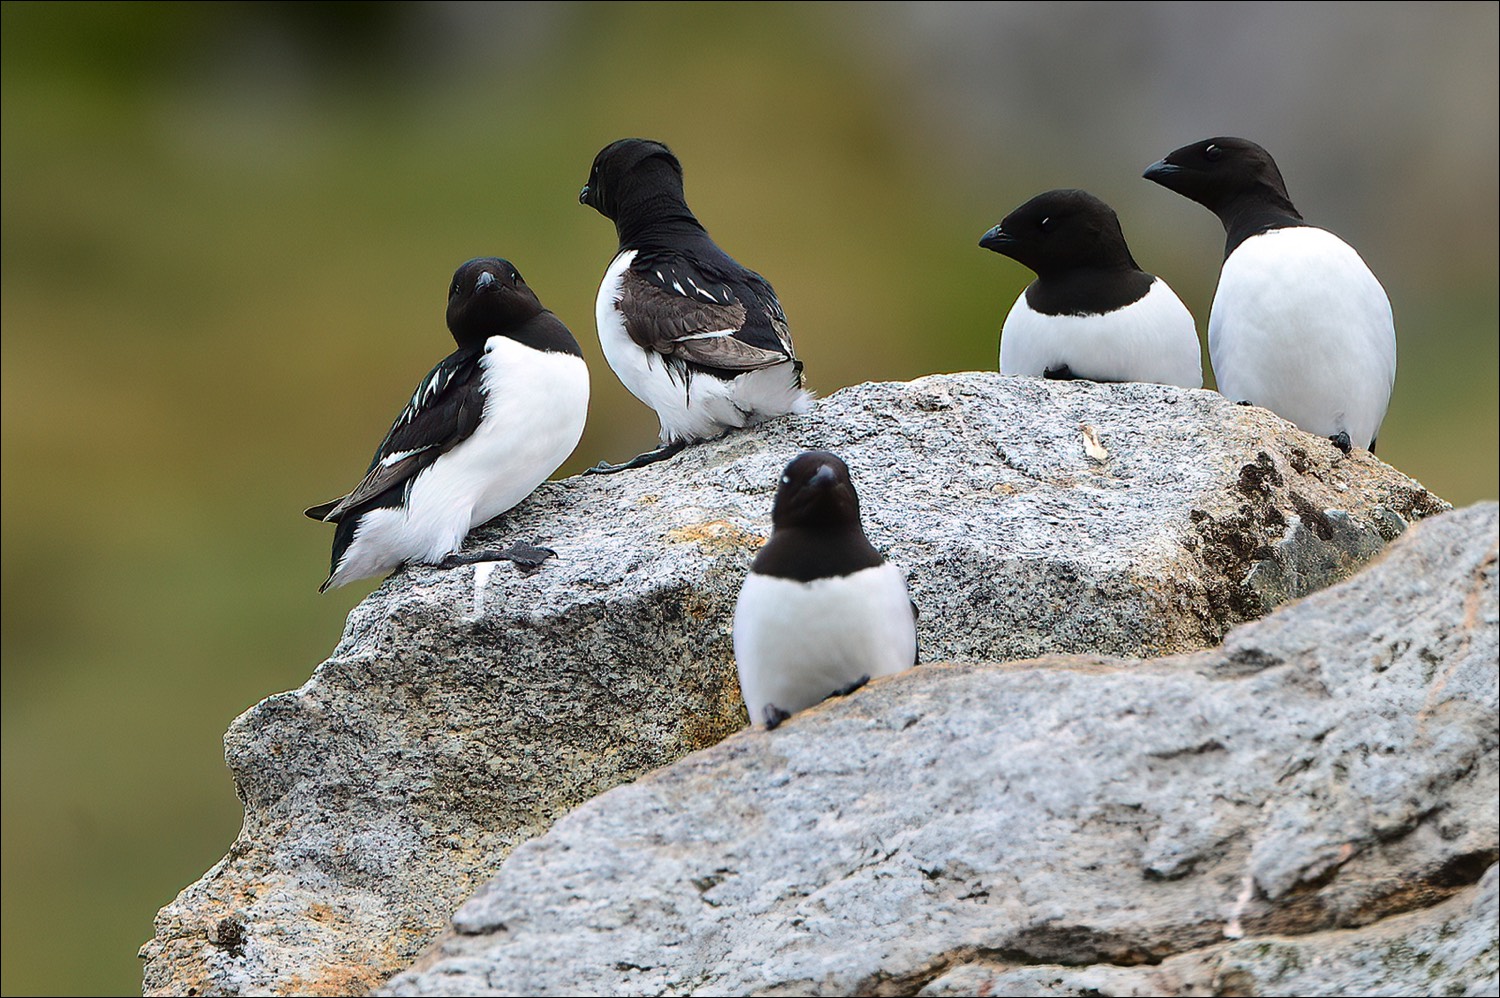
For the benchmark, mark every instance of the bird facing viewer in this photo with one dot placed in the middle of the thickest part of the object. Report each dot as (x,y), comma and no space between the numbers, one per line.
(821,612)
(486,426)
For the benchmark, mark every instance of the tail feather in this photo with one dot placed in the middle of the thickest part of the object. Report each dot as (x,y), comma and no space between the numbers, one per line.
(320,512)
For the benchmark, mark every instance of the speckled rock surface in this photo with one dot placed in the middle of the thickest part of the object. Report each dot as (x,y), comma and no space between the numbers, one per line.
(1309,809)
(464,711)
(1449,948)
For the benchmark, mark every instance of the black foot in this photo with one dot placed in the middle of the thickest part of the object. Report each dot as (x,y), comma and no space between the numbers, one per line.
(1244,402)
(639,461)
(526,557)
(1060,373)
(1341,441)
(844,691)
(774,715)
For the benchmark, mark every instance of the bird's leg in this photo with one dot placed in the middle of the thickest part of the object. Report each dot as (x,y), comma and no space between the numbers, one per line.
(844,691)
(639,461)
(1341,441)
(774,715)
(1060,373)
(526,557)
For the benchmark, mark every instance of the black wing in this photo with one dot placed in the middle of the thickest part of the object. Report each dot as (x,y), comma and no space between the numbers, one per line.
(710,316)
(442,413)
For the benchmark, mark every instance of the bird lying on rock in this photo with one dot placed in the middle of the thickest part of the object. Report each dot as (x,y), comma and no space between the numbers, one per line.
(1091,313)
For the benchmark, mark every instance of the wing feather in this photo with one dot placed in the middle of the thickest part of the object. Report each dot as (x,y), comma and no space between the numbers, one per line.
(442,413)
(673,308)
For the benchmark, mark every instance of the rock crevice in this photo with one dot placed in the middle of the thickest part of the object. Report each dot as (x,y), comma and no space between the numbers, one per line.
(464,712)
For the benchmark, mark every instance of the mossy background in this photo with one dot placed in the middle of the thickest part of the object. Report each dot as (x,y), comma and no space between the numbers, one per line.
(228,228)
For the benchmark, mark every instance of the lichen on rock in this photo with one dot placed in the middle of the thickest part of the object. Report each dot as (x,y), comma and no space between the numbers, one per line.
(464,711)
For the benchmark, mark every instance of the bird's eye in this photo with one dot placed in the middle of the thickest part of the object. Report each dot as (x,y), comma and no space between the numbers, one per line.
(786,479)
(1213,154)
(456,288)
(1047,225)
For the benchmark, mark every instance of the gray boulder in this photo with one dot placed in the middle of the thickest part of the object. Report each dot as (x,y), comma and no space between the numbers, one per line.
(465,711)
(1309,809)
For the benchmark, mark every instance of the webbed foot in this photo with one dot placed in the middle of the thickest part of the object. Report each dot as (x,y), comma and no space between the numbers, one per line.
(1341,441)
(844,691)
(639,461)
(774,715)
(526,557)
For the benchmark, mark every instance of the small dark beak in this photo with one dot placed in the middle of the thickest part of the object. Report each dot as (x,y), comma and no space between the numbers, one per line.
(485,280)
(823,478)
(996,240)
(583,195)
(1159,171)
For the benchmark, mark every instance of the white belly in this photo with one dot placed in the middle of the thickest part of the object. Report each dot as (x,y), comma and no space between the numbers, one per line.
(1300,326)
(1153,339)
(797,642)
(695,409)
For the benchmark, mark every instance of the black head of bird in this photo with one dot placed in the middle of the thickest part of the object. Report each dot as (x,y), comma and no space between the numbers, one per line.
(631,175)
(1061,230)
(1220,173)
(815,491)
(487,296)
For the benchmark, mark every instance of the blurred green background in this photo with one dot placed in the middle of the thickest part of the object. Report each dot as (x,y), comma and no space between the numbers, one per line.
(228,230)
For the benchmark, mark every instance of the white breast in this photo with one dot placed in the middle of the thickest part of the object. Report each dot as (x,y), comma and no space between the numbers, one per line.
(1300,326)
(689,410)
(535,408)
(797,642)
(1153,339)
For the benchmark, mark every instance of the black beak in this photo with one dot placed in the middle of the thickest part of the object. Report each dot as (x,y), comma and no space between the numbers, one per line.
(1159,171)
(823,478)
(997,239)
(583,195)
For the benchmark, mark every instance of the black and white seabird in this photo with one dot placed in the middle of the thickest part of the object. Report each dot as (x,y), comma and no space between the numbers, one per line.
(694,335)
(821,612)
(1091,313)
(1299,325)
(486,426)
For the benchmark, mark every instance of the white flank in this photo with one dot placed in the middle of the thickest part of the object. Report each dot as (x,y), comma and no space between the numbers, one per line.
(1301,327)
(797,642)
(1153,339)
(713,405)
(534,412)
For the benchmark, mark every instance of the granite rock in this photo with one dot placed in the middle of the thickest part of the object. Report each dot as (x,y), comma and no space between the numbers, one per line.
(1309,809)
(464,711)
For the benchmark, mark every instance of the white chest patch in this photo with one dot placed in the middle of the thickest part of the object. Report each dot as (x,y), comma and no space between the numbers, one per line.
(797,642)
(1153,339)
(1300,326)
(689,409)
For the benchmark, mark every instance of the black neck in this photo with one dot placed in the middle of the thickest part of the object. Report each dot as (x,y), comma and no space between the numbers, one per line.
(656,222)
(1253,214)
(545,331)
(804,554)
(1088,290)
